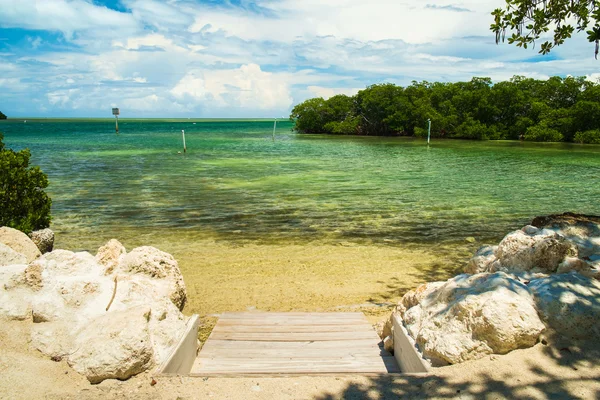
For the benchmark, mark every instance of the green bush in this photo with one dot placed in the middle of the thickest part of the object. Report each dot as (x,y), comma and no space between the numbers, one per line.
(592,136)
(541,133)
(23,203)
(2,116)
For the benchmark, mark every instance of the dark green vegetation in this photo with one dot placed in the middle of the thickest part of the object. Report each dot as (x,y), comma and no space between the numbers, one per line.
(23,203)
(2,116)
(559,109)
(528,20)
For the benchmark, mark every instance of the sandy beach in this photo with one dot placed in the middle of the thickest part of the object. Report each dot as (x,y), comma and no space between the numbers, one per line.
(563,370)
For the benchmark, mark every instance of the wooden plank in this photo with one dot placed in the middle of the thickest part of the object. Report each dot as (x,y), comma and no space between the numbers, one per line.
(183,355)
(271,315)
(407,356)
(293,353)
(293,343)
(299,345)
(295,321)
(286,337)
(292,328)
(380,365)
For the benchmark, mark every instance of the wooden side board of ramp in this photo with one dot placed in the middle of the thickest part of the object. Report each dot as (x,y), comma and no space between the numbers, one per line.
(293,343)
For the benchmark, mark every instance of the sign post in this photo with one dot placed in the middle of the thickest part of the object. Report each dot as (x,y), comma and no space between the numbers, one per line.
(115,112)
(429,131)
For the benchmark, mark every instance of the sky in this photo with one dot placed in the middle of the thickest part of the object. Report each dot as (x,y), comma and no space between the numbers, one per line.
(243,58)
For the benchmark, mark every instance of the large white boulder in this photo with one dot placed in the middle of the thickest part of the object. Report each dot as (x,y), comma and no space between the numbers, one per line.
(114,346)
(542,251)
(569,304)
(15,297)
(43,239)
(10,257)
(471,316)
(19,242)
(160,266)
(110,255)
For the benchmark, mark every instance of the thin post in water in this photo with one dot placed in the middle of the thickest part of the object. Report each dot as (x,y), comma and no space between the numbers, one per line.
(116,113)
(183,135)
(429,131)
(274,127)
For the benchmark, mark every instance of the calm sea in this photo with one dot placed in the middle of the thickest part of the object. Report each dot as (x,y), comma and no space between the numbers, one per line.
(236,184)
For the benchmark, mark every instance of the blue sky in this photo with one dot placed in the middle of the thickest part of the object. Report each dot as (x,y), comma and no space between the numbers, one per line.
(239,58)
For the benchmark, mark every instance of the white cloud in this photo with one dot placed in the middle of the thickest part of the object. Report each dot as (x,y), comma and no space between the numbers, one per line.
(244,87)
(326,93)
(62,16)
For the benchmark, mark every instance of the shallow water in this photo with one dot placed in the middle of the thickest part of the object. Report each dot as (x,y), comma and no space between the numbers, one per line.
(236,184)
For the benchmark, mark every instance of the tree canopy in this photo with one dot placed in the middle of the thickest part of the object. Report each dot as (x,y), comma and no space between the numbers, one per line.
(559,109)
(528,20)
(2,116)
(23,203)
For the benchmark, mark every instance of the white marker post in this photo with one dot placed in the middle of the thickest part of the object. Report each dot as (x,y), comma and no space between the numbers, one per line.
(183,135)
(429,131)
(274,127)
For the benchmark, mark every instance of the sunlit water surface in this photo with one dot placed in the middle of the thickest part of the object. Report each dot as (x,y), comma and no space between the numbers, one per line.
(238,185)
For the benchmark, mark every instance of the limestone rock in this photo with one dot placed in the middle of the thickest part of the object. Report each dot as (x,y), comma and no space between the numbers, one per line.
(66,263)
(32,276)
(43,239)
(110,255)
(541,252)
(471,316)
(115,346)
(576,264)
(569,304)
(15,299)
(416,296)
(482,260)
(53,339)
(166,326)
(19,242)
(10,257)
(154,263)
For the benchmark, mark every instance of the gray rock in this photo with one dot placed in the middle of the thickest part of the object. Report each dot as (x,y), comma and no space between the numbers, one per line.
(43,239)
(19,242)
(569,304)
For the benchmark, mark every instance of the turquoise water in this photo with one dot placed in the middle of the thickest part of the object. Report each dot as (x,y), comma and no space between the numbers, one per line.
(236,184)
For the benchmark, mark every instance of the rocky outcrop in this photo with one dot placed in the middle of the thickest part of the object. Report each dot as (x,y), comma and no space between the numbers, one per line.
(67,294)
(43,239)
(19,242)
(556,248)
(538,251)
(10,257)
(471,316)
(110,255)
(158,265)
(569,304)
(114,346)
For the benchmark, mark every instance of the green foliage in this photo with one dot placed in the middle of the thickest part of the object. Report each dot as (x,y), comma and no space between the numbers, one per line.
(542,133)
(23,203)
(2,116)
(591,136)
(551,110)
(527,21)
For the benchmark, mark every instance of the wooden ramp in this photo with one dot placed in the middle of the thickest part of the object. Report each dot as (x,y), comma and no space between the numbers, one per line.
(293,343)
